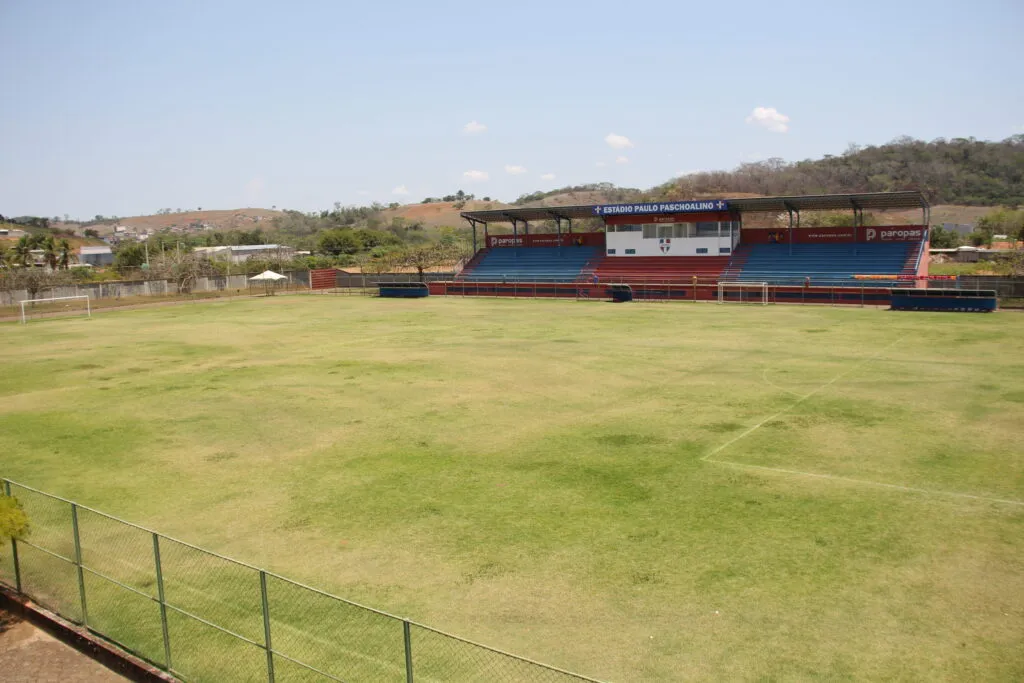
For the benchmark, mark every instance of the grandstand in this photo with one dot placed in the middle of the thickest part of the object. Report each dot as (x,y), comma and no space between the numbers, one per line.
(534,264)
(698,242)
(822,264)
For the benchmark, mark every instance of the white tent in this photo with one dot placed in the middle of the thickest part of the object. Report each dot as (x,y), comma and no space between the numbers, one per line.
(268,278)
(267,275)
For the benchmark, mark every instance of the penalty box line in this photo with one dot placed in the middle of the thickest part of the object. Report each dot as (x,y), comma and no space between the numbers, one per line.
(709,456)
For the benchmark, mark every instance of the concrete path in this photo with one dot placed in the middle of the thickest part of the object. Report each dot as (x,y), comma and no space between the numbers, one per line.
(29,655)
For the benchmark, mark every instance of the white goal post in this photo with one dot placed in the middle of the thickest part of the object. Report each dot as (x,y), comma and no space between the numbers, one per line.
(758,292)
(57,308)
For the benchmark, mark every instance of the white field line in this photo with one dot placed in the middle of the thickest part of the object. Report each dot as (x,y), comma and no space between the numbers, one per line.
(708,457)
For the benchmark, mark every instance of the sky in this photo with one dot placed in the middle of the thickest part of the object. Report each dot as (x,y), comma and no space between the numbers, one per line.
(124,108)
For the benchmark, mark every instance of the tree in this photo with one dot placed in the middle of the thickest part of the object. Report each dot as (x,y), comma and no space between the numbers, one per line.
(183,268)
(427,256)
(50,252)
(22,250)
(89,232)
(944,239)
(13,520)
(979,238)
(129,257)
(1002,221)
(64,254)
(335,242)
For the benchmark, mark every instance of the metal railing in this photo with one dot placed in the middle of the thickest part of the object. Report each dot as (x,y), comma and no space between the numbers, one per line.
(205,617)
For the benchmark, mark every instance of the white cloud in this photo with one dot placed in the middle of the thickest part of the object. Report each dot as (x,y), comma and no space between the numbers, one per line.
(514,170)
(621,160)
(618,141)
(473,128)
(769,118)
(601,164)
(475,176)
(548,176)
(401,189)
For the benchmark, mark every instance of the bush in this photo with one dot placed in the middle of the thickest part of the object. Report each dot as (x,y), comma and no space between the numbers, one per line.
(13,520)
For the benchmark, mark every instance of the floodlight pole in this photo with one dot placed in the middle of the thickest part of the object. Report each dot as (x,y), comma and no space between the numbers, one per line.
(858,217)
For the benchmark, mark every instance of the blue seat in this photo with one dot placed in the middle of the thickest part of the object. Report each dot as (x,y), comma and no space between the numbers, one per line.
(824,264)
(532,264)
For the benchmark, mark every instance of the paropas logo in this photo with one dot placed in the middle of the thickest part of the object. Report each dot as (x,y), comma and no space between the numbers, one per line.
(899,235)
(508,241)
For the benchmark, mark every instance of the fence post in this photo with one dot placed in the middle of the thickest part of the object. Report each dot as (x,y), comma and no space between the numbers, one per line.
(14,546)
(78,563)
(407,635)
(163,600)
(266,626)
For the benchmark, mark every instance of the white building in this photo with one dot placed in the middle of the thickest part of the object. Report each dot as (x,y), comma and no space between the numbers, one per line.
(242,253)
(672,239)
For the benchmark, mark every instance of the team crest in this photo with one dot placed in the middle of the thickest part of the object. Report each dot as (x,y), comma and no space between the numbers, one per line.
(776,237)
(665,243)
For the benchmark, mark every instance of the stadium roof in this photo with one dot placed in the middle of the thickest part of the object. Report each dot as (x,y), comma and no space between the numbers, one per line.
(819,202)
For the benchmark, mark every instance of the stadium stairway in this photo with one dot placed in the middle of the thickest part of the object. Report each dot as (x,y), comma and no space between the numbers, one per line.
(667,269)
(823,263)
(472,263)
(913,259)
(530,264)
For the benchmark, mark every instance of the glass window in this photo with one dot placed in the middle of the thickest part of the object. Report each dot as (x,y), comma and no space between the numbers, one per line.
(665,230)
(707,230)
(650,231)
(630,251)
(702,250)
(724,250)
(611,252)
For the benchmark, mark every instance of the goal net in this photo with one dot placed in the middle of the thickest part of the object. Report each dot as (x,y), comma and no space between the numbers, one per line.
(743,293)
(56,306)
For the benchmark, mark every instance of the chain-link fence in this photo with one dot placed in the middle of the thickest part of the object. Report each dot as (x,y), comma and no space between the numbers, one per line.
(205,617)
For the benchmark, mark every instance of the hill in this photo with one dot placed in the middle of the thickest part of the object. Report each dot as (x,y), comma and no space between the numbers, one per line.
(219,220)
(962,171)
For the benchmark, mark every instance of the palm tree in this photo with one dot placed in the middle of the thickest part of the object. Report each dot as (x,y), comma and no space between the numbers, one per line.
(64,254)
(50,253)
(22,250)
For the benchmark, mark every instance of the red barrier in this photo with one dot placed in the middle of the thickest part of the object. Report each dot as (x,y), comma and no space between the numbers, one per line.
(324,278)
(583,239)
(845,296)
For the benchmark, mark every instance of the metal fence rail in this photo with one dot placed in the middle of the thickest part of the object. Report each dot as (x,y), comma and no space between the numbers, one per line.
(205,617)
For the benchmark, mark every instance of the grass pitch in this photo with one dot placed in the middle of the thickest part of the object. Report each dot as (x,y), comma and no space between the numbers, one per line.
(637,492)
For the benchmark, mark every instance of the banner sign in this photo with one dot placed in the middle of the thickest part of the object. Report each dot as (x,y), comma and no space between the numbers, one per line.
(901,234)
(699,206)
(904,277)
(588,239)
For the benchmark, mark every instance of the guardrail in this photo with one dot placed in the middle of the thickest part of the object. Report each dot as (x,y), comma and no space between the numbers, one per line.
(202,616)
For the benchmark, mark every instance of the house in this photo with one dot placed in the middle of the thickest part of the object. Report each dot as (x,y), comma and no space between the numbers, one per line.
(96,256)
(243,253)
